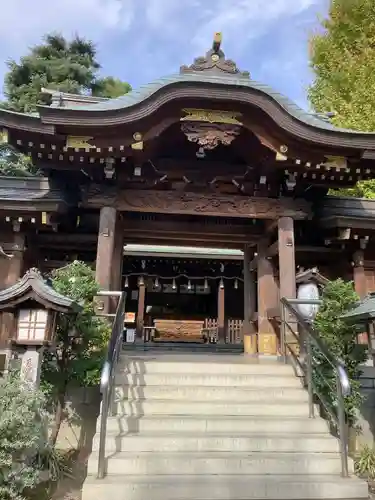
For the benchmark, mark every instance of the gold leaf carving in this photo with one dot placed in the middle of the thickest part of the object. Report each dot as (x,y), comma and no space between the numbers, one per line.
(211,116)
(137,146)
(79,142)
(281,157)
(336,162)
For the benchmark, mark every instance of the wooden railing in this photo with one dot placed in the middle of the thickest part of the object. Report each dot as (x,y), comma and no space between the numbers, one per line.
(233,330)
(190,330)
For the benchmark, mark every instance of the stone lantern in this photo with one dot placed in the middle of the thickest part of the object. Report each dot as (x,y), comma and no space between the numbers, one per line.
(28,314)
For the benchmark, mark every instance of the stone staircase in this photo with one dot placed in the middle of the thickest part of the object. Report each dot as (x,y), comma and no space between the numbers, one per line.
(215,427)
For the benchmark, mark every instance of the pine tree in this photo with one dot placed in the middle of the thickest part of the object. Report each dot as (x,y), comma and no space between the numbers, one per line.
(68,66)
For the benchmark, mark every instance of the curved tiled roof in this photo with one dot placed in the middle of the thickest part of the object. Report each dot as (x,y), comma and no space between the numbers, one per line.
(146,91)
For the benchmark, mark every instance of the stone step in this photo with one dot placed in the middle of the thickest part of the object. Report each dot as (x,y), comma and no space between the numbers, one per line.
(233,487)
(199,393)
(216,424)
(220,463)
(210,364)
(235,442)
(209,380)
(182,347)
(139,407)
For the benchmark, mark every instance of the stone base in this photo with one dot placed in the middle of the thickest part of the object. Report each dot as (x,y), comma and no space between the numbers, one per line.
(267,344)
(250,344)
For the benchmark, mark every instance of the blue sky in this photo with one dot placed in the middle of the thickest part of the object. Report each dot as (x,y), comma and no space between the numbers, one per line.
(141,40)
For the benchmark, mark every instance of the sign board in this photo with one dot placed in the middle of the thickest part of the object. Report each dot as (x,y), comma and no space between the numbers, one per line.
(130,335)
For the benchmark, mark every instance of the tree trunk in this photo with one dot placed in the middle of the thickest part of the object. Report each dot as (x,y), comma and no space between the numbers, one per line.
(58,418)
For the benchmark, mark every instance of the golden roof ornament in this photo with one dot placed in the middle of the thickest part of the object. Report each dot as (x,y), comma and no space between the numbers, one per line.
(214,62)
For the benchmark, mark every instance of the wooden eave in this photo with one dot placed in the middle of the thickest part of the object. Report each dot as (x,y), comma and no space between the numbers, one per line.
(25,122)
(346,212)
(220,92)
(31,194)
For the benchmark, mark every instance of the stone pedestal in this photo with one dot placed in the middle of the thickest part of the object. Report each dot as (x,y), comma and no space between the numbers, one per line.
(31,366)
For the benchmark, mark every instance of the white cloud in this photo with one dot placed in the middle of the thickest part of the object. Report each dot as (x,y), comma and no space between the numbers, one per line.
(23,23)
(240,20)
(163,33)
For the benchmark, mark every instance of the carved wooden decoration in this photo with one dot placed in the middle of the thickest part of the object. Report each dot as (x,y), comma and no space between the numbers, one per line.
(209,136)
(211,116)
(215,62)
(174,202)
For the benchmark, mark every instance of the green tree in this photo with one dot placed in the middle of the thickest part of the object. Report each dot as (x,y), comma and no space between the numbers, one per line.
(15,164)
(111,87)
(81,340)
(68,66)
(343,60)
(341,339)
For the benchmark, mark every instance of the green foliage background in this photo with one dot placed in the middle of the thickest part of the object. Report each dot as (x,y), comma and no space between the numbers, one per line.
(57,63)
(341,339)
(343,60)
(81,340)
(15,164)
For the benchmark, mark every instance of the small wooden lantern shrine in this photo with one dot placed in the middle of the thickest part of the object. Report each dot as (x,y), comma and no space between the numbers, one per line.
(309,284)
(28,313)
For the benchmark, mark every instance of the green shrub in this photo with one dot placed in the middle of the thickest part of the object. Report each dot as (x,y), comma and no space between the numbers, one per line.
(364,462)
(23,437)
(341,339)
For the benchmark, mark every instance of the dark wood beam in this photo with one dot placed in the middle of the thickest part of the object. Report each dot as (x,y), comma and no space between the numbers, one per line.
(193,203)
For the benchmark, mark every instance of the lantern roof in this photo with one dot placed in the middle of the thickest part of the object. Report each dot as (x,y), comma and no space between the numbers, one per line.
(363,312)
(311,276)
(33,287)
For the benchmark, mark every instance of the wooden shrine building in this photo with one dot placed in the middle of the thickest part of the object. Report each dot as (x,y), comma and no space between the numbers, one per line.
(202,193)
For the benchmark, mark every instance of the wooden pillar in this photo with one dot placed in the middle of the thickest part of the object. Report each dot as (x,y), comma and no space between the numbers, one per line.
(360,285)
(118,254)
(12,271)
(268,299)
(359,276)
(16,262)
(104,255)
(117,262)
(287,271)
(250,337)
(141,307)
(287,259)
(221,312)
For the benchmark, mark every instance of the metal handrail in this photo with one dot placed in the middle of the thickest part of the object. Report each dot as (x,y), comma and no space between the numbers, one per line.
(341,377)
(108,374)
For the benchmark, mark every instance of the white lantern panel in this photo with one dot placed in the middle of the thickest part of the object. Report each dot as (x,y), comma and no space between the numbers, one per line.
(32,324)
(308,291)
